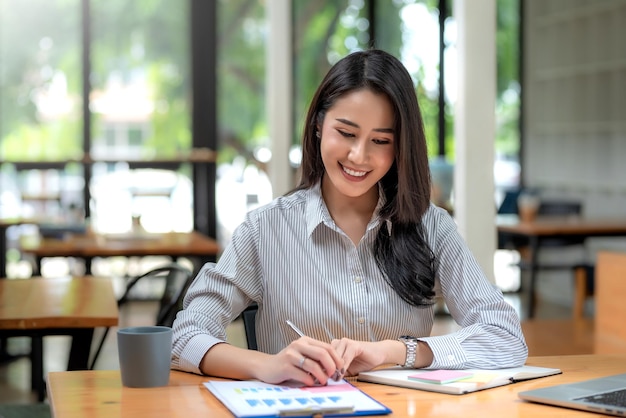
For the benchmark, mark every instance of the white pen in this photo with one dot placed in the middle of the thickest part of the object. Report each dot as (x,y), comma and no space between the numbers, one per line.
(337,375)
(295,328)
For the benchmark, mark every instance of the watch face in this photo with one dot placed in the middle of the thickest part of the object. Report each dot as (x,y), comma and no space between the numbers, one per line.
(408,338)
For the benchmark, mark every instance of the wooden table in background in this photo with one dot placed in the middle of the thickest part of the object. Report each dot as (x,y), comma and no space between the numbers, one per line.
(62,306)
(555,227)
(89,246)
(100,393)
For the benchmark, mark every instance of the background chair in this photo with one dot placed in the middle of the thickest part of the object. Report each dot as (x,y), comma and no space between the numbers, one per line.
(177,280)
(249,318)
(508,206)
(562,208)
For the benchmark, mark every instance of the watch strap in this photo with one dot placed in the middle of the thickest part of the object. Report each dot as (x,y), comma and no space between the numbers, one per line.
(411,350)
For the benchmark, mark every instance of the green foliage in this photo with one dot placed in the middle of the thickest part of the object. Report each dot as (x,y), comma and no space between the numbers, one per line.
(150,38)
(508,86)
(322,29)
(33,44)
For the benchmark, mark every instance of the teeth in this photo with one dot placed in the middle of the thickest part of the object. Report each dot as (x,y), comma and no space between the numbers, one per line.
(354,173)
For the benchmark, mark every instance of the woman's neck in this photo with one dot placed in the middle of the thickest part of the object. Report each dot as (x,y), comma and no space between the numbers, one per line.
(351,214)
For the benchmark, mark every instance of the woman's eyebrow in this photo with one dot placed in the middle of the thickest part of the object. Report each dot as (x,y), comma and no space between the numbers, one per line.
(349,122)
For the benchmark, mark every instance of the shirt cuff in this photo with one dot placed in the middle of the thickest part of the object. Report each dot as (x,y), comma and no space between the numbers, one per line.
(447,352)
(194,352)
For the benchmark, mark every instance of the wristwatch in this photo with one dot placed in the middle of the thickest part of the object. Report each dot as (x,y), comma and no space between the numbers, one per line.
(411,350)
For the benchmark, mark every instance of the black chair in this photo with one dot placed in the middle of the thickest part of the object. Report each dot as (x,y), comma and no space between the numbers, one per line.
(509,202)
(177,280)
(560,208)
(546,208)
(509,207)
(249,318)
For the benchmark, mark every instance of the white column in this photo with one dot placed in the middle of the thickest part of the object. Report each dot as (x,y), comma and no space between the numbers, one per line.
(474,128)
(279,93)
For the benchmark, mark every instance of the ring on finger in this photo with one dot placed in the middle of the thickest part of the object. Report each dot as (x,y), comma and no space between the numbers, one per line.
(301,362)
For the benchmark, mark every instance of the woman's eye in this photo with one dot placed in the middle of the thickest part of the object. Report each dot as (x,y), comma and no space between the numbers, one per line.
(381,141)
(345,134)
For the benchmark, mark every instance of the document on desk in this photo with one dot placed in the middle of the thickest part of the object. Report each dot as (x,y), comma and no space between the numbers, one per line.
(251,399)
(456,382)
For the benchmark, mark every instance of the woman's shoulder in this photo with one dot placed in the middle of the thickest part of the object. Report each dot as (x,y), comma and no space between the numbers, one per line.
(437,220)
(282,204)
(436,213)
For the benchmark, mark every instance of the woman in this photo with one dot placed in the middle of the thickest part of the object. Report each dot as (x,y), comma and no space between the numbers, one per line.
(355,256)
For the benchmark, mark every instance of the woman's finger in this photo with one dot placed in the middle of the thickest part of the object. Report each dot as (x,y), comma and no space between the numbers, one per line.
(321,360)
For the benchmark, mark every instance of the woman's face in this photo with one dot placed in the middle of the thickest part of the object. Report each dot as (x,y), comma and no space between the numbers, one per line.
(357,142)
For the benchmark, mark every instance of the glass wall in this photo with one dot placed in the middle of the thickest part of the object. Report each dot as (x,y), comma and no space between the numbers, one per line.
(242,181)
(139,107)
(410,31)
(139,104)
(40,66)
(140,94)
(139,79)
(40,104)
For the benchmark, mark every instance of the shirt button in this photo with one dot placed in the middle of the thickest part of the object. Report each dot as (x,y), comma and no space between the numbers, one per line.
(361,320)
(357,279)
(450,357)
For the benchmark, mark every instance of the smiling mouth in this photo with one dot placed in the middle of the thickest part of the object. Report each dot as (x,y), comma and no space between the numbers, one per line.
(354,173)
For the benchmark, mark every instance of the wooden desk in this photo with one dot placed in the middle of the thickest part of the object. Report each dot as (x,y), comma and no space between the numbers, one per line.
(88,246)
(553,227)
(100,393)
(65,306)
(610,288)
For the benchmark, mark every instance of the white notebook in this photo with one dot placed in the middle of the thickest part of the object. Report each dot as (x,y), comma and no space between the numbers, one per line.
(455,382)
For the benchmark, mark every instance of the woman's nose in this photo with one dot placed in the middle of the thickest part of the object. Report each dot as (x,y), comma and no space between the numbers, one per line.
(358,151)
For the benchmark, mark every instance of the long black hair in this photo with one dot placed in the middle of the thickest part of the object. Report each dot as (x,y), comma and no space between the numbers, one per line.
(402,253)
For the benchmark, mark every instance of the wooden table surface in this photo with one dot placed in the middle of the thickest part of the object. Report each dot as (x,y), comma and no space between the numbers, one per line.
(71,302)
(89,246)
(100,394)
(103,245)
(71,306)
(562,226)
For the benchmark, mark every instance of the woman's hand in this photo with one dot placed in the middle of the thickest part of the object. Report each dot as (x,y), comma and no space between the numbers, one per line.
(305,360)
(361,356)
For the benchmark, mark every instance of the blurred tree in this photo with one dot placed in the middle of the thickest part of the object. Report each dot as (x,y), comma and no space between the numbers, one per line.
(150,38)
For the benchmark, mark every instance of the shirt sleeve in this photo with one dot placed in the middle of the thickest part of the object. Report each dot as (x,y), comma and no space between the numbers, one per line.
(490,335)
(218,294)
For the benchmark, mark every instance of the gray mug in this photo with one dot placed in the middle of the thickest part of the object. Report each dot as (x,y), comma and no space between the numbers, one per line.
(145,354)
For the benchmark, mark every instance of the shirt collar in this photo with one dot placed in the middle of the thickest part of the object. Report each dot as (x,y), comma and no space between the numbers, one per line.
(317,211)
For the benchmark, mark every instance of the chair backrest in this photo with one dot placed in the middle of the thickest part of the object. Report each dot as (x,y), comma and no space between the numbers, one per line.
(177,280)
(560,208)
(509,202)
(249,320)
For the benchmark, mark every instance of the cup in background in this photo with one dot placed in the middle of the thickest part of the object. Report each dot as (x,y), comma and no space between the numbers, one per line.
(528,206)
(145,354)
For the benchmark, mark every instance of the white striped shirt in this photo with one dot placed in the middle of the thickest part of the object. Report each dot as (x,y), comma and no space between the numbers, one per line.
(291,258)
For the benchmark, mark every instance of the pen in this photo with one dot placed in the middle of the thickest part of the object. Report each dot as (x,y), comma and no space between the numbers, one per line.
(337,375)
(295,328)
